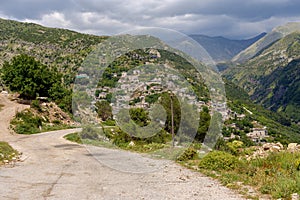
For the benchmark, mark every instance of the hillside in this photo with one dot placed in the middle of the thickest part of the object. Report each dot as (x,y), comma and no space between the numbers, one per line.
(66,50)
(271,78)
(54,47)
(223,49)
(266,41)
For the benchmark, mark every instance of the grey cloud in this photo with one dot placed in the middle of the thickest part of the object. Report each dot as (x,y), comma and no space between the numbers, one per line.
(22,9)
(232,18)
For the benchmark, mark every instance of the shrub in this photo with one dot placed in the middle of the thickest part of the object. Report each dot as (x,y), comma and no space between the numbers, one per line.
(219,160)
(90,132)
(188,154)
(26,123)
(6,151)
(56,122)
(297,164)
(234,146)
(74,137)
(109,122)
(35,104)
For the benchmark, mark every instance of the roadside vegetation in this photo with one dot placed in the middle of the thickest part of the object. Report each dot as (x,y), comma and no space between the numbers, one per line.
(32,79)
(7,153)
(50,75)
(40,118)
(276,175)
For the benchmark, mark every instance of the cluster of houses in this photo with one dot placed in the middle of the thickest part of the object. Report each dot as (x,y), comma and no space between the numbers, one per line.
(135,85)
(257,134)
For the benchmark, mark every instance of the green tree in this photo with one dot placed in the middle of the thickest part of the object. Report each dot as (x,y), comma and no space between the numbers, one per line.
(203,124)
(166,101)
(28,77)
(139,116)
(104,110)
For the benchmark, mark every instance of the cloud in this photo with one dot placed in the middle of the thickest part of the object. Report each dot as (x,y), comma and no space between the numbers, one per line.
(231,18)
(54,19)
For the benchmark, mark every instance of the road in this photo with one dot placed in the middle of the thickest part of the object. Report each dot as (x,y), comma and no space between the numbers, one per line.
(54,168)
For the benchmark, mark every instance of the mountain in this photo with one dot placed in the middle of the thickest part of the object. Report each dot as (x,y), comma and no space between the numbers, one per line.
(272,76)
(66,50)
(276,34)
(60,48)
(222,49)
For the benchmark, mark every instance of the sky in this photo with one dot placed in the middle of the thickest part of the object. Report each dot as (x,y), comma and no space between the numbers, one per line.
(229,18)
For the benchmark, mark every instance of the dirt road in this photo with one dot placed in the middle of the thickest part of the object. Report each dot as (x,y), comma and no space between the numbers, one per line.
(58,169)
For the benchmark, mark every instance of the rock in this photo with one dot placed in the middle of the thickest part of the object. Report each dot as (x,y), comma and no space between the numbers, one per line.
(263,151)
(275,149)
(292,147)
(131,144)
(280,145)
(295,196)
(267,146)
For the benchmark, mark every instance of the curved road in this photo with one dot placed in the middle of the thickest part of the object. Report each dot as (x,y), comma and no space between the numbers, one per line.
(54,168)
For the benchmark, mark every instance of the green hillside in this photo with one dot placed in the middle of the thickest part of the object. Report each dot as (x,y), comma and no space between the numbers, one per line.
(54,47)
(271,78)
(63,52)
(265,42)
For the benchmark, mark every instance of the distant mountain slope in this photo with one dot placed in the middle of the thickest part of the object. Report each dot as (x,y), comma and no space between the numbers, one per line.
(223,49)
(272,77)
(276,34)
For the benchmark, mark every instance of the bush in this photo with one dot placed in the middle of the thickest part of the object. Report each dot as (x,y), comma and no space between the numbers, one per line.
(188,154)
(234,146)
(90,132)
(35,104)
(28,76)
(74,137)
(109,122)
(219,160)
(26,123)
(6,151)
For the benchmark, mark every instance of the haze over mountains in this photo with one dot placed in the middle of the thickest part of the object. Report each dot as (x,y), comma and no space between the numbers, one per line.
(223,49)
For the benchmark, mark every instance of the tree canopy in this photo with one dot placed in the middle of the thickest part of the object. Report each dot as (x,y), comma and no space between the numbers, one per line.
(29,77)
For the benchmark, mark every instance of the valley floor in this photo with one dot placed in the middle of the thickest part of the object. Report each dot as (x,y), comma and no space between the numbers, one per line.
(54,168)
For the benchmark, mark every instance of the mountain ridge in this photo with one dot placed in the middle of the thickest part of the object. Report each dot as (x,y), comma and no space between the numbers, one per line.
(223,49)
(271,77)
(276,34)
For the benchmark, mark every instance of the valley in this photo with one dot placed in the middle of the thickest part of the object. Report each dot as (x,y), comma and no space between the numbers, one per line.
(76,140)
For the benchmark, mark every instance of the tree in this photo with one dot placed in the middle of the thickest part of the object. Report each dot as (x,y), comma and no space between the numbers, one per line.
(28,77)
(104,110)
(165,101)
(203,124)
(31,79)
(139,116)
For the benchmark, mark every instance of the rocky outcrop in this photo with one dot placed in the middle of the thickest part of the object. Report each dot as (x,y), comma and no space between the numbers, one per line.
(293,147)
(267,148)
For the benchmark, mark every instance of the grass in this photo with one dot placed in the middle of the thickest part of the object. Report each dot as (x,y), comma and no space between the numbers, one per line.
(277,175)
(26,122)
(73,137)
(6,152)
(141,148)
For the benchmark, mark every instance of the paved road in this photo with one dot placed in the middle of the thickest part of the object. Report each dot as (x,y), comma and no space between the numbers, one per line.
(58,169)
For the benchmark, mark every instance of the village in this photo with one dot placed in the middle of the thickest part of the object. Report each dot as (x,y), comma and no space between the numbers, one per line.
(133,90)
(138,87)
